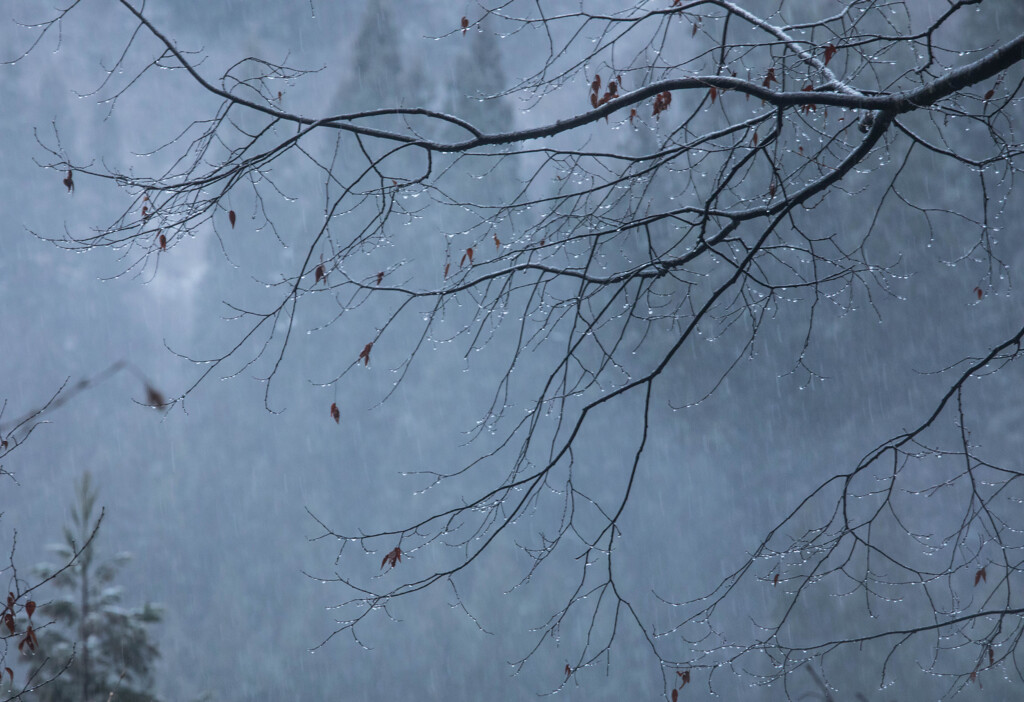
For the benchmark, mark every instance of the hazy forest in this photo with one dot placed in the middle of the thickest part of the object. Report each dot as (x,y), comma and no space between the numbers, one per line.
(616,350)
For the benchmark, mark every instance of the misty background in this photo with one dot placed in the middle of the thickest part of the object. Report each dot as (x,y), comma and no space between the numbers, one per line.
(212,501)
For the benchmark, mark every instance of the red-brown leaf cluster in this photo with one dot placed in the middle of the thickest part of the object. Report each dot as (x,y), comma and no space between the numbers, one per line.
(770,78)
(154,398)
(69,182)
(612,92)
(465,24)
(392,557)
(684,679)
(319,274)
(364,355)
(830,51)
(809,88)
(335,413)
(29,639)
(231,218)
(661,102)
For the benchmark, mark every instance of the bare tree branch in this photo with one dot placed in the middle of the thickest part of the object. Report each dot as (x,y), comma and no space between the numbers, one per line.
(614,229)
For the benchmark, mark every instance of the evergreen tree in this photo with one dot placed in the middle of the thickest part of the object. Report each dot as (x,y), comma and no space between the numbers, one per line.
(378,79)
(94,646)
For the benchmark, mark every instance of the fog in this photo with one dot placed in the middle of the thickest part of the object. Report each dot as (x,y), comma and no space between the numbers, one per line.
(216,497)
